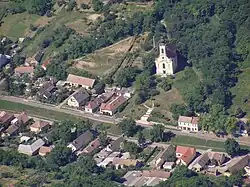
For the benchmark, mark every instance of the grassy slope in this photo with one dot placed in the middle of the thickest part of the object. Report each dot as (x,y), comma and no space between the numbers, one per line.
(241,91)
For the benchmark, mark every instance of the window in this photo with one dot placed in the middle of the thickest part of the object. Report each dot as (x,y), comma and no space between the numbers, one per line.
(164,72)
(163,66)
(162,57)
(162,50)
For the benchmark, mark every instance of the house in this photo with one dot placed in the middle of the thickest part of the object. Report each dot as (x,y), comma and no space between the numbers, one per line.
(47,89)
(111,107)
(234,165)
(92,107)
(217,157)
(84,82)
(99,157)
(12,130)
(200,162)
(4,60)
(6,118)
(44,150)
(108,160)
(115,145)
(44,65)
(21,119)
(81,141)
(120,162)
(185,155)
(188,123)
(78,98)
(92,146)
(24,139)
(39,126)
(31,149)
(24,70)
(145,178)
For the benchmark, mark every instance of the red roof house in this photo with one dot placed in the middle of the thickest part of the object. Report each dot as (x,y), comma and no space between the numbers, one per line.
(92,146)
(112,105)
(185,155)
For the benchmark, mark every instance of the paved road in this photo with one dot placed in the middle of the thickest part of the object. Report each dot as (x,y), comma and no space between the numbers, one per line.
(113,120)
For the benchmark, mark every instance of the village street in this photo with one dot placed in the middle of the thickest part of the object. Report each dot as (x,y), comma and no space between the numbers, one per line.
(112,120)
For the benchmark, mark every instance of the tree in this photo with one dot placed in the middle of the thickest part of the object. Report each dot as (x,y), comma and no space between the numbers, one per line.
(232,147)
(103,138)
(99,87)
(97,5)
(141,138)
(128,127)
(60,156)
(231,125)
(71,5)
(131,147)
(157,133)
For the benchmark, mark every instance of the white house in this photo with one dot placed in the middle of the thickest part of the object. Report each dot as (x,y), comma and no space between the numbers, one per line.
(166,63)
(188,123)
(79,98)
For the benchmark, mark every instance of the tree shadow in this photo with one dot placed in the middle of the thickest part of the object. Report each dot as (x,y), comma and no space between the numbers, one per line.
(167,136)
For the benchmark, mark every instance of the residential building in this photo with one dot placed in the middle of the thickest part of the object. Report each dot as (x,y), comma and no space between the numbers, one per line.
(166,63)
(115,145)
(99,157)
(47,89)
(111,107)
(24,70)
(12,130)
(234,165)
(185,155)
(121,163)
(39,126)
(81,141)
(200,162)
(108,160)
(79,98)
(21,120)
(188,123)
(31,149)
(95,144)
(217,157)
(44,150)
(145,178)
(6,118)
(84,82)
(92,106)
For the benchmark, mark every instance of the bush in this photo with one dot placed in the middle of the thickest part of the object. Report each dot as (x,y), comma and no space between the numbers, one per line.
(84,6)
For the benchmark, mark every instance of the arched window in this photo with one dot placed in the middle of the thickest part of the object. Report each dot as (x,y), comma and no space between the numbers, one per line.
(163,66)
(162,50)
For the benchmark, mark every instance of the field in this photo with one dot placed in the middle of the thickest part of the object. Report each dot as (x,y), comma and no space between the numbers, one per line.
(103,60)
(241,92)
(15,26)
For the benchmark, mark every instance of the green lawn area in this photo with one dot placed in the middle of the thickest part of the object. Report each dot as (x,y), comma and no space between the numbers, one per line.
(34,111)
(17,25)
(241,92)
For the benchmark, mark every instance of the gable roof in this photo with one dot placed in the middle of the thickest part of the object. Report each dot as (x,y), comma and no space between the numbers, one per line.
(30,149)
(23,118)
(156,173)
(92,105)
(188,153)
(81,96)
(84,81)
(203,159)
(46,88)
(92,146)
(39,124)
(23,69)
(185,119)
(82,140)
(114,103)
(45,150)
(126,162)
(5,117)
(12,129)
(195,120)
(115,145)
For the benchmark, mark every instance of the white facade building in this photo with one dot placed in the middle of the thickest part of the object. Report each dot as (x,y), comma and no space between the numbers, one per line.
(166,63)
(188,123)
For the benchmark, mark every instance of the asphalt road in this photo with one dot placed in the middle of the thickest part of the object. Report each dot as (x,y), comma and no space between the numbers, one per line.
(113,120)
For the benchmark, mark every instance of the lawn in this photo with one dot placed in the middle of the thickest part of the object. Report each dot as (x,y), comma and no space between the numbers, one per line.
(241,92)
(16,25)
(34,111)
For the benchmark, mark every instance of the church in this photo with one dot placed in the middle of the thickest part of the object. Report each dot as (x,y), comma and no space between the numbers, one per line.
(166,63)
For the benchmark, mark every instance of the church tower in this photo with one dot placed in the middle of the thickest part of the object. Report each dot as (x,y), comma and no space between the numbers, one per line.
(166,63)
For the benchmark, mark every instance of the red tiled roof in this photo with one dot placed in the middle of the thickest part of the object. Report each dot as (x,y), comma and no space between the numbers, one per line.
(185,119)
(23,117)
(40,124)
(113,104)
(45,150)
(5,117)
(24,69)
(84,81)
(195,120)
(92,105)
(188,153)
(92,146)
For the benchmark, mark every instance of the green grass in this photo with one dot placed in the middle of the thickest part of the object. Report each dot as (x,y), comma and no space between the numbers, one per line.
(242,91)
(36,112)
(16,25)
